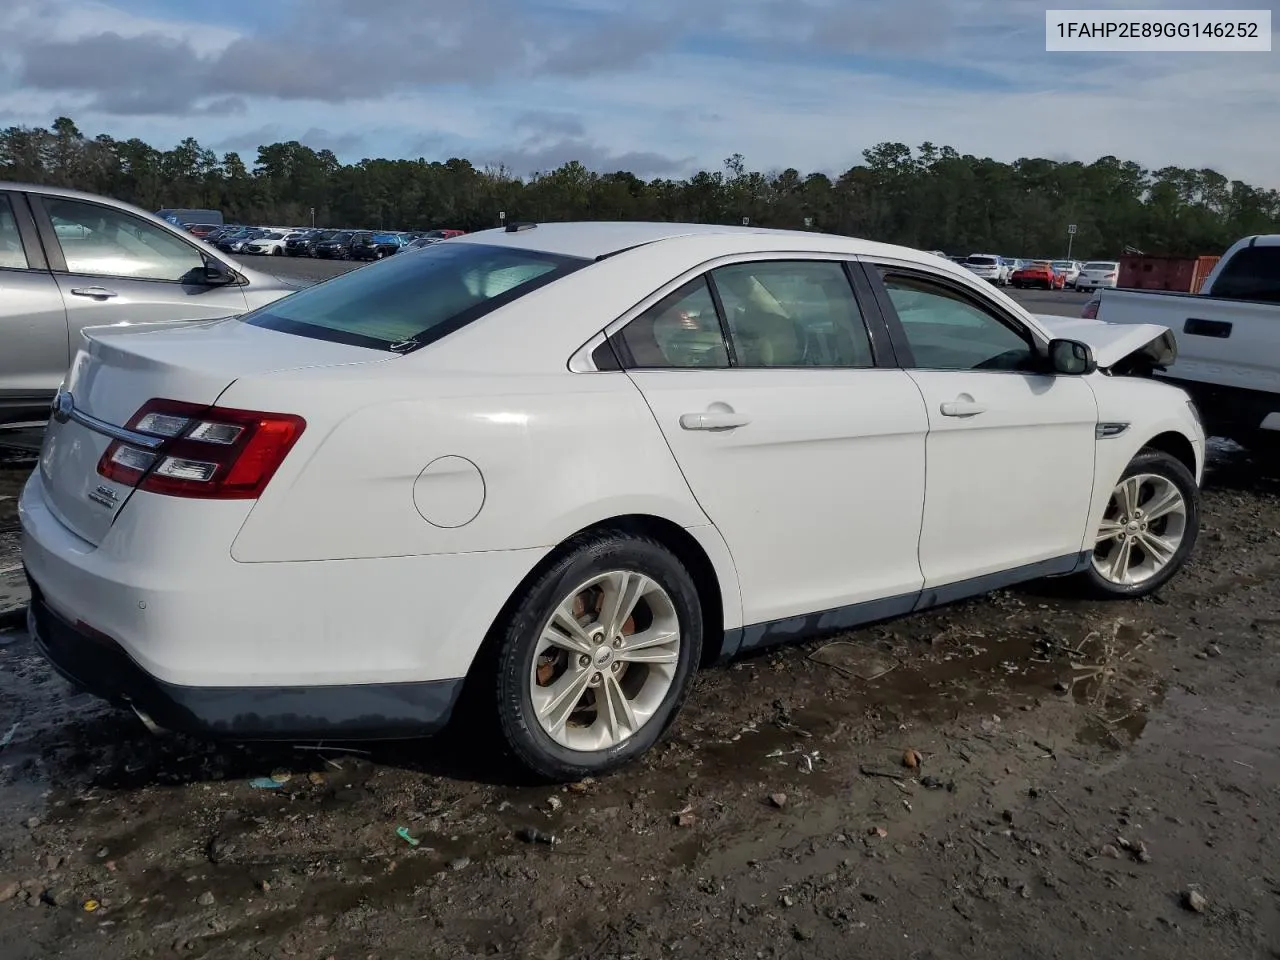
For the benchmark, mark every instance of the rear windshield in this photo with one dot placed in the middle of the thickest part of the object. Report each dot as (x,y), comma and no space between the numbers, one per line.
(1101,265)
(409,302)
(981,261)
(1064,264)
(1252,274)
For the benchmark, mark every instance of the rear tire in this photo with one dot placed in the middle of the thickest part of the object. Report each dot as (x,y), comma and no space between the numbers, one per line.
(1148,530)
(574,698)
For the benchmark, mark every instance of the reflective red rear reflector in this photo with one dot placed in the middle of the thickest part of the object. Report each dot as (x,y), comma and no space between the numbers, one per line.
(213,453)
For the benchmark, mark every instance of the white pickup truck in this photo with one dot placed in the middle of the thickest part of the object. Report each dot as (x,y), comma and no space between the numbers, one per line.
(1228,340)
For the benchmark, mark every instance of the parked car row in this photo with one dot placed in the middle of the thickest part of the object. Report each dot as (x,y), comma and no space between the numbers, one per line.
(333,244)
(1045,273)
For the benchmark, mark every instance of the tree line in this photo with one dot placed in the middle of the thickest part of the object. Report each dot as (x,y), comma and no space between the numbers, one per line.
(930,197)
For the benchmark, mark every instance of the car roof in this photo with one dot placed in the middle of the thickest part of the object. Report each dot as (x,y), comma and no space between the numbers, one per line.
(592,239)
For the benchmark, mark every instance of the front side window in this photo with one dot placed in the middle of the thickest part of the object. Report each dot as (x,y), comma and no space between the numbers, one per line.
(412,301)
(103,241)
(680,330)
(796,313)
(12,253)
(948,330)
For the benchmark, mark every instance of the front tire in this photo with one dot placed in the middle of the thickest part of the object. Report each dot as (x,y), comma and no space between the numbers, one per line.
(1148,529)
(597,657)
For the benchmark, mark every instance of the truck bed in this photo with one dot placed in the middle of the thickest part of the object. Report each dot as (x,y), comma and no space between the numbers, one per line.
(1228,354)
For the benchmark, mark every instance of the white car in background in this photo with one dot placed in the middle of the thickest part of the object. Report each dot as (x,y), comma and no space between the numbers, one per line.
(269,244)
(1070,270)
(558,467)
(988,266)
(1098,274)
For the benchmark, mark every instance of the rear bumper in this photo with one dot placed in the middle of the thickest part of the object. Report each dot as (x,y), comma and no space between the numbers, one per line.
(98,665)
(163,585)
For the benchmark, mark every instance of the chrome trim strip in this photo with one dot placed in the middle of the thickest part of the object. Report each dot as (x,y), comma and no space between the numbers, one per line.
(131,437)
(1109,431)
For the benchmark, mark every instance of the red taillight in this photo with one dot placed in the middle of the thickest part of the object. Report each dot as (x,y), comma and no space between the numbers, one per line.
(210,452)
(1090,311)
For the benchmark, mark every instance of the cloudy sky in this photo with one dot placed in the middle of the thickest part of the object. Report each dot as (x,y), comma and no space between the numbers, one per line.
(660,87)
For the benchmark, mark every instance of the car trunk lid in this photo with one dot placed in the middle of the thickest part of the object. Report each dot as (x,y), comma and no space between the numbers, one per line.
(117,370)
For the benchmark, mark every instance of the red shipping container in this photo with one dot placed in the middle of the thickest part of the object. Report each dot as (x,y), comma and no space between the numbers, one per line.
(1177,274)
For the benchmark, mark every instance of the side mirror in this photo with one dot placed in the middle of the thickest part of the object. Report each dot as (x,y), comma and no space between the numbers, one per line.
(216,273)
(1071,357)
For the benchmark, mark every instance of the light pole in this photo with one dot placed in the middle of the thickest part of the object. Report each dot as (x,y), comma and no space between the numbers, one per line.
(1071,235)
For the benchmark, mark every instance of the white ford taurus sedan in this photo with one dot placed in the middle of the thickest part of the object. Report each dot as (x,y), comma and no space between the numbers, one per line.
(560,466)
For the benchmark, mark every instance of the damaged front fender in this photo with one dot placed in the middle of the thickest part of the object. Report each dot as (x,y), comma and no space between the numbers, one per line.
(1119,348)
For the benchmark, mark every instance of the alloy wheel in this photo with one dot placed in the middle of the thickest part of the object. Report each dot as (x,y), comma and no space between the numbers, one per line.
(605,660)
(1141,531)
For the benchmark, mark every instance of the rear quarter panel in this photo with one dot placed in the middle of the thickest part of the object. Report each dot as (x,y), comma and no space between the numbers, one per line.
(556,453)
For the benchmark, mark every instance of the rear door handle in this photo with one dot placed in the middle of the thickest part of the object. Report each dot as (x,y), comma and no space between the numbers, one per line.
(714,420)
(98,293)
(962,407)
(1196,327)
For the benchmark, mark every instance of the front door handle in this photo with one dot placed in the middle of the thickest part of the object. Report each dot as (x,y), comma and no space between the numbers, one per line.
(714,420)
(98,293)
(963,406)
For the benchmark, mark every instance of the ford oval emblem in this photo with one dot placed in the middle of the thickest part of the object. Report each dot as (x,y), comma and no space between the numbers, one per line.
(63,404)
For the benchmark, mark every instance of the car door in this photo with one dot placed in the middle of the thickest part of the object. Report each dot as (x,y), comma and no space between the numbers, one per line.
(805,453)
(34,350)
(114,267)
(1010,451)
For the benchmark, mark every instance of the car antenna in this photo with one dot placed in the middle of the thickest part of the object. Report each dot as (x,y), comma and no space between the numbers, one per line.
(517,227)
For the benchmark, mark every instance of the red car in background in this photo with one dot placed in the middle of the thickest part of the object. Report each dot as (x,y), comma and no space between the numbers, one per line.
(1039,274)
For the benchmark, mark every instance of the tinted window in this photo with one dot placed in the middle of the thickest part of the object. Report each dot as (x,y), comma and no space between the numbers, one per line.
(1252,274)
(680,330)
(950,331)
(981,261)
(1101,265)
(104,241)
(798,313)
(418,298)
(12,254)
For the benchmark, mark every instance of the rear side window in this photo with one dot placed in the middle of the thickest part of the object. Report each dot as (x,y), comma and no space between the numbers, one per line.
(408,303)
(792,314)
(1252,274)
(12,254)
(680,330)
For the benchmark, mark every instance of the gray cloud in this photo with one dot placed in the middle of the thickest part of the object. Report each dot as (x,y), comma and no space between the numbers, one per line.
(539,156)
(334,51)
(250,139)
(317,138)
(550,123)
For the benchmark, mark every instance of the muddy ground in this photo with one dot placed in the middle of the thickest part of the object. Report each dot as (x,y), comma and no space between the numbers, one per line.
(1097,780)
